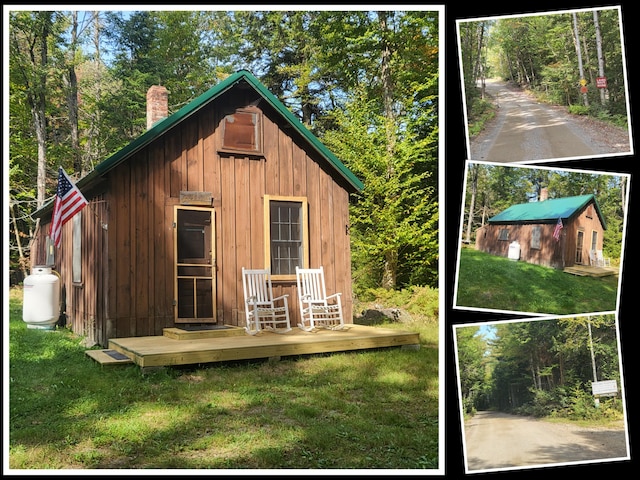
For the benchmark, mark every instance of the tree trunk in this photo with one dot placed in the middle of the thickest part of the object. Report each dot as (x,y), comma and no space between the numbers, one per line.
(585,99)
(473,170)
(72,95)
(390,267)
(596,21)
(16,231)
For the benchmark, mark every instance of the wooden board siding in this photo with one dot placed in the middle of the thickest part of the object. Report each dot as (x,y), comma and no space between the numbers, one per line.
(549,254)
(83,302)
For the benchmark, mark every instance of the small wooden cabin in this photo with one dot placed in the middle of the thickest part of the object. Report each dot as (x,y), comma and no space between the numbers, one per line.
(231,180)
(526,231)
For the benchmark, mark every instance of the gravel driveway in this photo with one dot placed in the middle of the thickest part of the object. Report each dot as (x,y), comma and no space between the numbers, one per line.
(525,130)
(498,440)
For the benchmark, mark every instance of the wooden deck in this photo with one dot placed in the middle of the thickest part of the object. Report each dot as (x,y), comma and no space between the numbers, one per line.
(183,347)
(589,271)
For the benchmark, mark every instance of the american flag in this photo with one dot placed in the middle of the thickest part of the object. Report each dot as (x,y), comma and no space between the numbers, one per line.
(69,201)
(556,231)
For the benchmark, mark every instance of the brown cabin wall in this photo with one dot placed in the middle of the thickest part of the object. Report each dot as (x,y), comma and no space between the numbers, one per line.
(82,302)
(551,253)
(140,234)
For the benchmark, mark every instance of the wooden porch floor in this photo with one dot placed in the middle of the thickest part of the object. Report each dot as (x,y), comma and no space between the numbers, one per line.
(183,347)
(589,271)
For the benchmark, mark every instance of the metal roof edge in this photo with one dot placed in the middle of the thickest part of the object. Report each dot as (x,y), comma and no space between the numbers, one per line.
(304,131)
(588,198)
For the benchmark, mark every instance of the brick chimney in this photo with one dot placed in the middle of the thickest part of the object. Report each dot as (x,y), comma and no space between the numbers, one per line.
(544,194)
(157,105)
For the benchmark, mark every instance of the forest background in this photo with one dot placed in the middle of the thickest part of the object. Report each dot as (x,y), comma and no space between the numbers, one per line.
(564,58)
(542,368)
(364,82)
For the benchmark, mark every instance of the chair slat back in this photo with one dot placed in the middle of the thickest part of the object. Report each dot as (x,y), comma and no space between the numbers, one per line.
(257,284)
(311,283)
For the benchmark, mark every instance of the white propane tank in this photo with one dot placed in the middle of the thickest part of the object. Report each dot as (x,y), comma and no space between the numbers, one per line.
(514,250)
(41,301)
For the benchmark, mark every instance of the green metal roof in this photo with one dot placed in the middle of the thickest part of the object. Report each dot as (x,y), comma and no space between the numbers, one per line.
(547,211)
(194,106)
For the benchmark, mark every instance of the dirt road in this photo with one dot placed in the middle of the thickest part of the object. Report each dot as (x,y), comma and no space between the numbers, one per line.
(525,130)
(499,440)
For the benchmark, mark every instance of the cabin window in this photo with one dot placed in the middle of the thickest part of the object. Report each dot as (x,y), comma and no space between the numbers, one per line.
(594,240)
(503,234)
(242,131)
(286,232)
(76,254)
(50,254)
(535,238)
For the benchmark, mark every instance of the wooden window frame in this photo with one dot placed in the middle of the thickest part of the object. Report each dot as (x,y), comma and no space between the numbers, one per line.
(258,132)
(76,250)
(536,236)
(594,239)
(503,232)
(268,199)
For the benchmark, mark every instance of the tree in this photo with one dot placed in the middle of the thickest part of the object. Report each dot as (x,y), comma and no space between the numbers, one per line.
(585,98)
(30,35)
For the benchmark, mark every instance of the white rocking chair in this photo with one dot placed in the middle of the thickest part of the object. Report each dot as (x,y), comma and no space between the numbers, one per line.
(597,259)
(262,310)
(317,309)
(602,260)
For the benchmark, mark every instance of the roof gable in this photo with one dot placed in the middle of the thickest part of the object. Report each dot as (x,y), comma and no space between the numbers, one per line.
(547,211)
(211,94)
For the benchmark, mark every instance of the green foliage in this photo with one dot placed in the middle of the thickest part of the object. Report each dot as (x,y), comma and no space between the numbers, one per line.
(417,300)
(542,368)
(397,213)
(578,110)
(480,112)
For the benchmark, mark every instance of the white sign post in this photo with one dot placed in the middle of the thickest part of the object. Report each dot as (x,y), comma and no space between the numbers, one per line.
(604,388)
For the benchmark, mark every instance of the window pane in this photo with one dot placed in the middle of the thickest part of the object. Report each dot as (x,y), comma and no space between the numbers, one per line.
(192,240)
(535,237)
(286,237)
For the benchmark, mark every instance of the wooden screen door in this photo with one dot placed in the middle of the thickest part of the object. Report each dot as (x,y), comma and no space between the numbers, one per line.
(195,272)
(579,245)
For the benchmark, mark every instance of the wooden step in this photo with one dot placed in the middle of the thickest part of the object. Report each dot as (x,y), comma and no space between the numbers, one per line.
(108,357)
(212,331)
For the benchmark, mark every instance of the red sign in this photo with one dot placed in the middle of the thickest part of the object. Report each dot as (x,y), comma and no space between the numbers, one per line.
(583,90)
(601,82)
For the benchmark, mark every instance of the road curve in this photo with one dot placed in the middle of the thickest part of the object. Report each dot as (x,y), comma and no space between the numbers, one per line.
(496,440)
(526,130)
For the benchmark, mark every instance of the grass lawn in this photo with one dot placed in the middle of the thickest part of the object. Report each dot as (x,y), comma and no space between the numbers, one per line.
(498,283)
(373,409)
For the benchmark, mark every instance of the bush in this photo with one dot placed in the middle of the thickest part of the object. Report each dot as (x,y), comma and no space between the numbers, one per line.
(415,300)
(576,403)
(578,110)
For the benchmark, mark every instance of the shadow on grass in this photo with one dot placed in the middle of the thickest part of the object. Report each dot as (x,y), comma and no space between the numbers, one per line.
(497,283)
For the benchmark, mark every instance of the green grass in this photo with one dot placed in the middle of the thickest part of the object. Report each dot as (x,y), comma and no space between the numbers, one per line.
(481,113)
(375,409)
(498,283)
